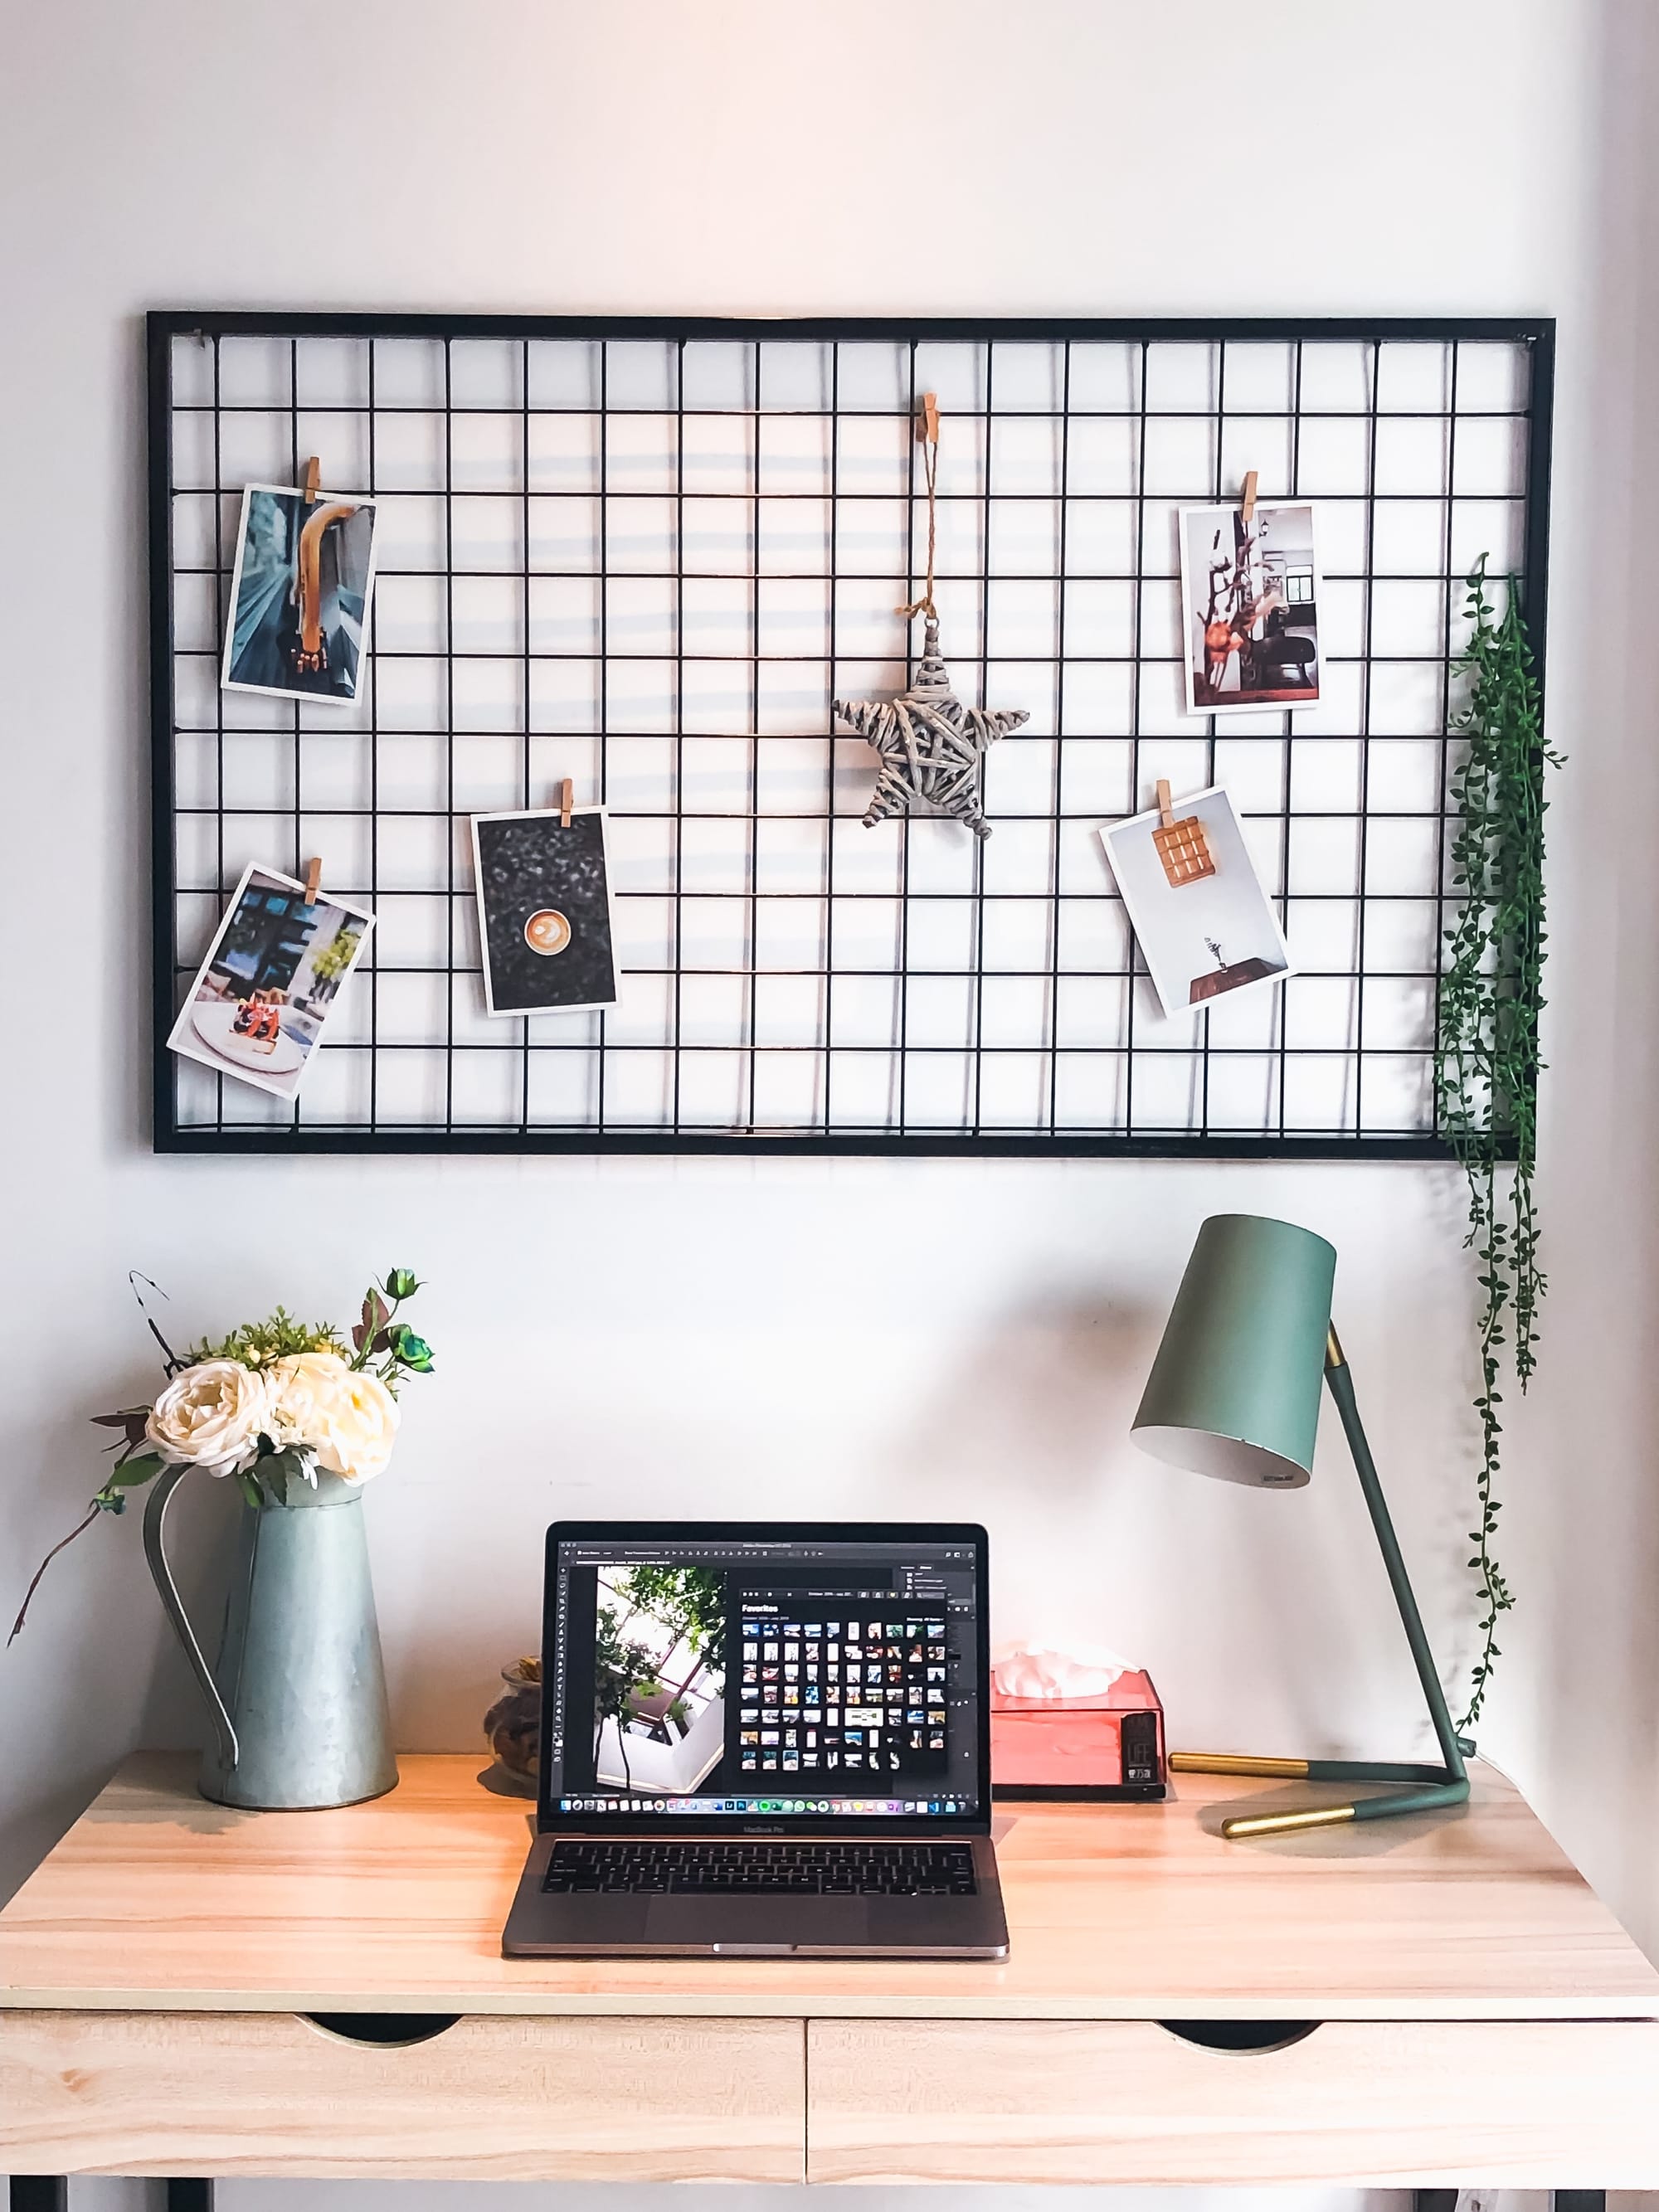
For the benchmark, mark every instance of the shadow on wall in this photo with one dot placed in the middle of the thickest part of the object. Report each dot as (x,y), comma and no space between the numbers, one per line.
(97,1650)
(1033,1407)
(1184,1573)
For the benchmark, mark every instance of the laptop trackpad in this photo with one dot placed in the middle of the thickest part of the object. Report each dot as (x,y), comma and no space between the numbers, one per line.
(750,1923)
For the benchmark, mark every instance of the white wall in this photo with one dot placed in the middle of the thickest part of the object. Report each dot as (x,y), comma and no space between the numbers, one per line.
(738,1336)
(1578,1716)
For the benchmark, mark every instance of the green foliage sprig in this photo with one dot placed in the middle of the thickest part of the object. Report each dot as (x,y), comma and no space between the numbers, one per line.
(256,1343)
(1485,1061)
(380,1334)
(329,962)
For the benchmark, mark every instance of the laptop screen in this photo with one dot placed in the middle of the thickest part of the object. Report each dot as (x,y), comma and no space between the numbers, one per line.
(731,1674)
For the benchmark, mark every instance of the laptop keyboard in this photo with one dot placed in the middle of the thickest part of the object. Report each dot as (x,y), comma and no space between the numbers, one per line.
(687,1869)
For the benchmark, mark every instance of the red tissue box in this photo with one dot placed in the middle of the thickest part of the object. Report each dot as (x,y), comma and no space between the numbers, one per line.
(1101,1748)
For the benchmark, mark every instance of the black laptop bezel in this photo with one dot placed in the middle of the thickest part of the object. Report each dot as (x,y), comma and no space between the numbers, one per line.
(549,1820)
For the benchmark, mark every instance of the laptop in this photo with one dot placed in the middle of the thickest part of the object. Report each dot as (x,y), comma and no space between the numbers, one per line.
(762,1740)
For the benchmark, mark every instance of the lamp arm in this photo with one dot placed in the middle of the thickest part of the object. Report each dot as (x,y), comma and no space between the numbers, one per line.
(1429,1789)
(1339,1381)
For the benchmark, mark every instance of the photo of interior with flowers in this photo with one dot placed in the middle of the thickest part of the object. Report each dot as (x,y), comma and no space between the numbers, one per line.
(1249,589)
(271,979)
(659,1677)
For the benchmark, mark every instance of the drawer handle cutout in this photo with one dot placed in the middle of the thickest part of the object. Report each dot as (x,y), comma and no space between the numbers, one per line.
(393,2031)
(1246,2035)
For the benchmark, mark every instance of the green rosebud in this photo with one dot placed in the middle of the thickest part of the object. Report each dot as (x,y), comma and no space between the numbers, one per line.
(400,1283)
(414,1352)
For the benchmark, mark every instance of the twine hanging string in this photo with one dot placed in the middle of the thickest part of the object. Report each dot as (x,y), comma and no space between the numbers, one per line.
(927,437)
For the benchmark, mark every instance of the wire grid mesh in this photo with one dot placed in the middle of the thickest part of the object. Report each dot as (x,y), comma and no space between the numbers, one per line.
(647,558)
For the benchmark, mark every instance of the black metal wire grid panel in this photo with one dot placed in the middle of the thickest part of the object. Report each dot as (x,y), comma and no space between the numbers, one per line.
(646,554)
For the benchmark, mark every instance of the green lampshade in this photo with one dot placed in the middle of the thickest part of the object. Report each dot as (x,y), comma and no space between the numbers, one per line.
(1234,1389)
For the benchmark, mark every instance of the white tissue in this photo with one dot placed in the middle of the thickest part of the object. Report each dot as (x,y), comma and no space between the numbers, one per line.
(1087,1670)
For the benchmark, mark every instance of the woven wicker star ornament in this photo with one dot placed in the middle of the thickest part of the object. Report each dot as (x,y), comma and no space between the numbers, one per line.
(929,743)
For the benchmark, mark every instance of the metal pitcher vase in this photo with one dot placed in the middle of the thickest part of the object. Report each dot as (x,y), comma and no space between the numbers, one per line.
(298,1695)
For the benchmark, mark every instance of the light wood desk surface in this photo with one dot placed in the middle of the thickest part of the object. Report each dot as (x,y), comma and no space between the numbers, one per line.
(158,1900)
(1482,2016)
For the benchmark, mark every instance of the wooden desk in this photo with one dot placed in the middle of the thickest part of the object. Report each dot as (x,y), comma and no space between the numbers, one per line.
(1479,2016)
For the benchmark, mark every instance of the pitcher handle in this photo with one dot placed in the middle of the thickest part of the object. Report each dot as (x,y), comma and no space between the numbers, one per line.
(155,1510)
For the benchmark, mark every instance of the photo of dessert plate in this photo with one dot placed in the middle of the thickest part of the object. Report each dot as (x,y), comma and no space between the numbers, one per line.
(215,1025)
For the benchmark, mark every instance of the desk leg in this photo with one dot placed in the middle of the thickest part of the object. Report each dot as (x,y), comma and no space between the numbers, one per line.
(1561,2200)
(49,2192)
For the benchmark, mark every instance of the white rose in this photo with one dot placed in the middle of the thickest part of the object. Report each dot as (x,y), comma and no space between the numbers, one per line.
(362,1428)
(302,1390)
(348,1420)
(210,1415)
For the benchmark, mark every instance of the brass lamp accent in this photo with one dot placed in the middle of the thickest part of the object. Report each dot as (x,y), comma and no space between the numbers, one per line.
(1234,1392)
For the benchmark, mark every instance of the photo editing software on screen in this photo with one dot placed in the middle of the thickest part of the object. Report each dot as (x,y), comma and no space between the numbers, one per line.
(778,1678)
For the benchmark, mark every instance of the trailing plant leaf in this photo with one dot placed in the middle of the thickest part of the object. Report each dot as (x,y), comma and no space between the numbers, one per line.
(170,1359)
(276,1472)
(376,1314)
(93,1512)
(130,1473)
(1487,1063)
(132,1422)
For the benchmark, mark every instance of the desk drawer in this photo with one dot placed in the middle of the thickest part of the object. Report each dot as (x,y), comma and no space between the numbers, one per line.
(1571,2104)
(487,2099)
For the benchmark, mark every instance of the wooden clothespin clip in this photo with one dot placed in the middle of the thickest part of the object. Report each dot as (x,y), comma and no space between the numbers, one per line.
(1249,502)
(1166,805)
(928,419)
(313,881)
(312,473)
(566,791)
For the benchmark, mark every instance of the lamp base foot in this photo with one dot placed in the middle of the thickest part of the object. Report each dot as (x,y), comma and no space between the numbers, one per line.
(1429,1789)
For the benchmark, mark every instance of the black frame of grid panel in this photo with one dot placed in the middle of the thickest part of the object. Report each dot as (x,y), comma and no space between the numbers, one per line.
(1536,333)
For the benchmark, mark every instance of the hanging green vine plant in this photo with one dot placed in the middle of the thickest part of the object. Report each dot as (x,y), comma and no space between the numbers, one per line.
(1486,1064)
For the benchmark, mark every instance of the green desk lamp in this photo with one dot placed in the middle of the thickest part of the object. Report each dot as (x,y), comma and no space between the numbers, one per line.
(1234,1392)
